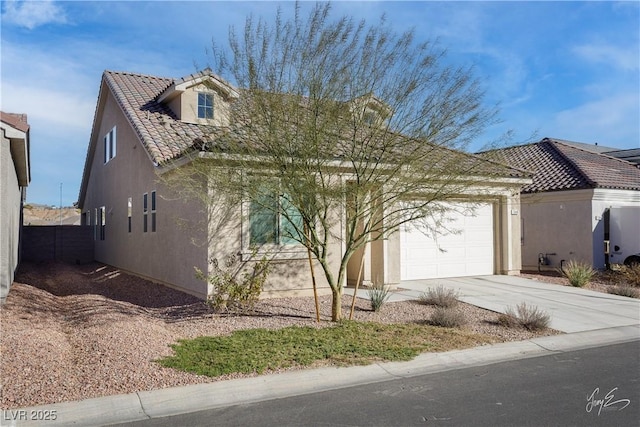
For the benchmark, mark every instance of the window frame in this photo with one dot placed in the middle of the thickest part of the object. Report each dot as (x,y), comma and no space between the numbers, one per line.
(145,210)
(292,249)
(129,213)
(103,222)
(153,211)
(208,111)
(110,144)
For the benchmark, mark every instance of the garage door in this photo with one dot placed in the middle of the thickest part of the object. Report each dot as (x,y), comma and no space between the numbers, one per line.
(467,253)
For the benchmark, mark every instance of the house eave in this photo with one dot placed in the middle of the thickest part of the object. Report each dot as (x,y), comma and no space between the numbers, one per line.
(19,146)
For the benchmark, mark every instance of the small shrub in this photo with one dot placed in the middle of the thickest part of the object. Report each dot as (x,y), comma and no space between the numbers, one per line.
(440,296)
(447,317)
(378,295)
(233,290)
(527,316)
(508,321)
(578,273)
(625,291)
(630,274)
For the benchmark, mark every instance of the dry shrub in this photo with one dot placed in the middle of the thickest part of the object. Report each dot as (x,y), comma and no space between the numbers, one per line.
(440,296)
(625,291)
(447,317)
(527,316)
(630,274)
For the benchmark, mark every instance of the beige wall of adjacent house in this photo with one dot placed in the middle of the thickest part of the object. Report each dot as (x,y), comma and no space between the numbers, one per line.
(10,197)
(167,255)
(568,225)
(558,226)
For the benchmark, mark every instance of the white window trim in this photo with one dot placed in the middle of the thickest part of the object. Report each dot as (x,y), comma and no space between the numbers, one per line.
(110,144)
(129,215)
(213,104)
(154,201)
(145,212)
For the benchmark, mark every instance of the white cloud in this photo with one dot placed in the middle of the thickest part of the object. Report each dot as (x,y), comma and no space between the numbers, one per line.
(626,59)
(32,14)
(615,117)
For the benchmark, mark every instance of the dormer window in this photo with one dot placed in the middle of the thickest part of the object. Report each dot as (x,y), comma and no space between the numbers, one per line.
(370,118)
(205,105)
(201,99)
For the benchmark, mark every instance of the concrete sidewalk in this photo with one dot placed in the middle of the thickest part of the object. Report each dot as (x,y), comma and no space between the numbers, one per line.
(592,320)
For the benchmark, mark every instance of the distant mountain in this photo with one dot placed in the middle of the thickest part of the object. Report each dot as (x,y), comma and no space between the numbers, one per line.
(47,215)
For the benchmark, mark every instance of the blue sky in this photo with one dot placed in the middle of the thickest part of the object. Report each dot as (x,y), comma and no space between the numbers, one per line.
(568,70)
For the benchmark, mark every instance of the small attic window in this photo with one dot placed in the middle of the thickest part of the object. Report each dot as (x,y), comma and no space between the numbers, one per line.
(205,105)
(370,117)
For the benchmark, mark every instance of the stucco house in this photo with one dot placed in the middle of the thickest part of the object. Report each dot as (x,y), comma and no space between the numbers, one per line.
(15,175)
(143,127)
(563,210)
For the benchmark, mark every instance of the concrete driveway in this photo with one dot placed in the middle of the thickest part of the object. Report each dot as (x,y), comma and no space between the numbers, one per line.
(571,309)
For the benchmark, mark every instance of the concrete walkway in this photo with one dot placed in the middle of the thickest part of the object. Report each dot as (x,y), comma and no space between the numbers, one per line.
(592,319)
(571,309)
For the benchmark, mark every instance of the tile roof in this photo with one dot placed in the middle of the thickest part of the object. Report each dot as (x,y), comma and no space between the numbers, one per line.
(162,134)
(559,166)
(165,137)
(17,121)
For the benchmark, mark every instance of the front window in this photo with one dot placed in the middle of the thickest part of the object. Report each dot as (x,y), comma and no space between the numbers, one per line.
(273,220)
(205,105)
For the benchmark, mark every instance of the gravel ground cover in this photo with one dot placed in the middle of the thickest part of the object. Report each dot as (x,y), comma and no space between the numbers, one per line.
(601,282)
(72,332)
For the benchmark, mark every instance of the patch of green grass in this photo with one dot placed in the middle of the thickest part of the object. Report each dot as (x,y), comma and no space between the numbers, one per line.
(346,343)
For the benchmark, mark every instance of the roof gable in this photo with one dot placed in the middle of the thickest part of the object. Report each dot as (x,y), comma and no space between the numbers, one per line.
(206,78)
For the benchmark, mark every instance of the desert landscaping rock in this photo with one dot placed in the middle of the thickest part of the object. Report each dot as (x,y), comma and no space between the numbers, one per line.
(75,332)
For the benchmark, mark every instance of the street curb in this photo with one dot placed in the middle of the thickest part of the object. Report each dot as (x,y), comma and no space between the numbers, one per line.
(178,400)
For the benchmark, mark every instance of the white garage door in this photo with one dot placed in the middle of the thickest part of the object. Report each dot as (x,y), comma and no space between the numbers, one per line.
(468,253)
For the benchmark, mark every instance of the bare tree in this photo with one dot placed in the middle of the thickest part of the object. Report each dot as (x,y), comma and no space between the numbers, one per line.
(342,122)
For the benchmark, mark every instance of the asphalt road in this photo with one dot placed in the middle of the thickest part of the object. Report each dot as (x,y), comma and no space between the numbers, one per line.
(593,387)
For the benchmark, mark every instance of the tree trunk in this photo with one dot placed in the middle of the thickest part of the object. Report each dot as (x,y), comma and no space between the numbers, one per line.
(336,304)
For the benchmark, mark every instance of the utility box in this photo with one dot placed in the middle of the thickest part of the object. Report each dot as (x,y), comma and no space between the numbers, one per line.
(624,235)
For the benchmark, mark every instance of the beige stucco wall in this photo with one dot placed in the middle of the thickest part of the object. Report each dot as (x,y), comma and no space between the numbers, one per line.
(10,197)
(558,226)
(290,273)
(568,224)
(167,255)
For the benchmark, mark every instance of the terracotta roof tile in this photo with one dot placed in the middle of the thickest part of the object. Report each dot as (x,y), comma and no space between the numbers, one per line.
(560,166)
(165,137)
(17,121)
(162,134)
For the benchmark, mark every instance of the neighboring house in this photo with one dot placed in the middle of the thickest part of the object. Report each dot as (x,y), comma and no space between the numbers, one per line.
(631,154)
(143,127)
(563,210)
(15,175)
